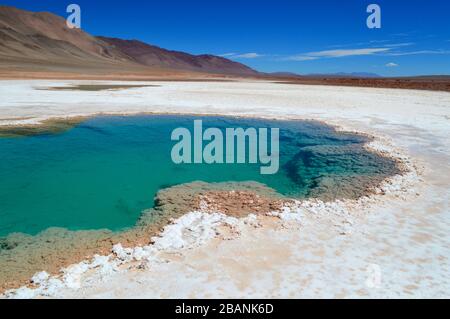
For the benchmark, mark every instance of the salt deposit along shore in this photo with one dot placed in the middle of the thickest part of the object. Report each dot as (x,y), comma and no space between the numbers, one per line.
(394,244)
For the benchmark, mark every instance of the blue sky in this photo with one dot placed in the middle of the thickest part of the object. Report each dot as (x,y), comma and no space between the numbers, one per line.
(315,36)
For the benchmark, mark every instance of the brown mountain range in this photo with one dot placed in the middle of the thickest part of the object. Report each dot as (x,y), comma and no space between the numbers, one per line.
(154,56)
(42,41)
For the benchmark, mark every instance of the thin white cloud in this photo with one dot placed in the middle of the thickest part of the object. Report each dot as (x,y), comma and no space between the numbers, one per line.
(336,54)
(301,58)
(391,65)
(251,55)
(397,45)
(418,52)
(402,34)
(379,41)
(227,54)
(344,53)
(348,45)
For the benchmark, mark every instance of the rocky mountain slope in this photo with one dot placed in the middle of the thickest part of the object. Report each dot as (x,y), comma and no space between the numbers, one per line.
(42,39)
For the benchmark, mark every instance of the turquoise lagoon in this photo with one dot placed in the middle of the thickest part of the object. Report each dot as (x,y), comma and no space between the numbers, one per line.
(105,171)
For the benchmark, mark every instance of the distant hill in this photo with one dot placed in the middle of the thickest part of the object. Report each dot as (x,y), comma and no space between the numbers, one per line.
(284,74)
(150,55)
(42,39)
(326,75)
(347,75)
(45,36)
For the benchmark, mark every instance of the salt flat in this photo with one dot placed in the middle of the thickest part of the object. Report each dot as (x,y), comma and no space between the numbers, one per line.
(395,245)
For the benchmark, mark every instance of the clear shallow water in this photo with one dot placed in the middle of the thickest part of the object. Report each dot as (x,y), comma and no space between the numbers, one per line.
(105,171)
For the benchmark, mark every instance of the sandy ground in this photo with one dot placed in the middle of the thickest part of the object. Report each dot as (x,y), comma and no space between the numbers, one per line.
(395,245)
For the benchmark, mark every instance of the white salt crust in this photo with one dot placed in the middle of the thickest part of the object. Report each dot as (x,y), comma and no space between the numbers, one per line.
(421,116)
(197,228)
